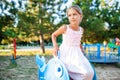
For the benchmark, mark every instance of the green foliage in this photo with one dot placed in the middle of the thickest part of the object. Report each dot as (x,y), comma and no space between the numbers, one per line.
(95,14)
(7,20)
(37,19)
(1,47)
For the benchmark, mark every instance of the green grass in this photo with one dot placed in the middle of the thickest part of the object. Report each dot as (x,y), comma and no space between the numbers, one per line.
(25,53)
(3,58)
(117,65)
(12,65)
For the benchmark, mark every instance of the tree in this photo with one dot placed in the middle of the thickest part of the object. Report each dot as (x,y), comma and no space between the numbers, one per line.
(38,18)
(8,17)
(96,13)
(110,14)
(91,23)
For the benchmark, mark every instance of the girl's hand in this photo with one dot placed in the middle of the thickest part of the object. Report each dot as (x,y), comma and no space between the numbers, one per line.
(56,48)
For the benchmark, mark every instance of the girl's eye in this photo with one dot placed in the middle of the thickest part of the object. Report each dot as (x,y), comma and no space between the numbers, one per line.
(69,15)
(74,14)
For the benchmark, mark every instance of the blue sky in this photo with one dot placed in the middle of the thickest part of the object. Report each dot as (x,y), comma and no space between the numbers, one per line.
(69,3)
(110,2)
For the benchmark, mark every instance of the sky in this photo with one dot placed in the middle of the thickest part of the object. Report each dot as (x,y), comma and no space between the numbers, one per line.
(110,2)
(69,3)
(56,21)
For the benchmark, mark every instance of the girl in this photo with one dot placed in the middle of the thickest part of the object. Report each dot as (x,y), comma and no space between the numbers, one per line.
(71,53)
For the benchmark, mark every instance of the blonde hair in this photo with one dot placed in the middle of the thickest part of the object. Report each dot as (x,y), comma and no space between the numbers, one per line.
(77,8)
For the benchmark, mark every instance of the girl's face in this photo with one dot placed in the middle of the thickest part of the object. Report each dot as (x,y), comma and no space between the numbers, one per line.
(74,17)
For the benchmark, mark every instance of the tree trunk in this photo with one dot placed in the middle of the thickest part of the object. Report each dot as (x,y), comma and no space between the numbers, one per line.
(42,42)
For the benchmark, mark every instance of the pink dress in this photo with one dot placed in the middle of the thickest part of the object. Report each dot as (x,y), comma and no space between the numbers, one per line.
(76,63)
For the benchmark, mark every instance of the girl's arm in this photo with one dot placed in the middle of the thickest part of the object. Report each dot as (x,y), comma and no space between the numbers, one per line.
(59,31)
(81,44)
(81,47)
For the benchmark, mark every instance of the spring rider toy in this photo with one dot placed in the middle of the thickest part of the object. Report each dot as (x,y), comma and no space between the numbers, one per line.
(53,70)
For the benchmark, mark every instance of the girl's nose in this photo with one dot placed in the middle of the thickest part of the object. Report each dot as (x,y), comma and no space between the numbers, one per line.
(72,16)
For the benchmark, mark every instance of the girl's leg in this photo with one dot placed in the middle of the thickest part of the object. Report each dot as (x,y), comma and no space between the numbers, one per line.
(71,78)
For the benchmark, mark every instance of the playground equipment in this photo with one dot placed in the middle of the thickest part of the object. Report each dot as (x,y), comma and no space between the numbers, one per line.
(98,53)
(14,50)
(14,57)
(53,70)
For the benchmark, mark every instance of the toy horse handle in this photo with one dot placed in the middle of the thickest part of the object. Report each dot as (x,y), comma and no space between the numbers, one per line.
(58,54)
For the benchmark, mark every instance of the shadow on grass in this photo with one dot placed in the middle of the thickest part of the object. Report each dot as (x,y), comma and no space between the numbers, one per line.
(3,58)
(7,59)
(12,65)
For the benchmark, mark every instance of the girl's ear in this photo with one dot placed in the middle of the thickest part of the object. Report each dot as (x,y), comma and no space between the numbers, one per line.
(81,16)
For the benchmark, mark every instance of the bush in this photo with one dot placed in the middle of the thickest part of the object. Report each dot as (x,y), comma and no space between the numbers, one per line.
(2,47)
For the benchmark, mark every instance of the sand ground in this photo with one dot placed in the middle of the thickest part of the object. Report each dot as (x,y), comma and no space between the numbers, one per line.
(25,68)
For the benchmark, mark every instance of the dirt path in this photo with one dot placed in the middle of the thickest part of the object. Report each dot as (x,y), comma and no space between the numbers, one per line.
(25,68)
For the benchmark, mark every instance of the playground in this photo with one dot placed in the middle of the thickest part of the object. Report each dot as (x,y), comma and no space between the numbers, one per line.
(25,68)
(20,64)
(29,25)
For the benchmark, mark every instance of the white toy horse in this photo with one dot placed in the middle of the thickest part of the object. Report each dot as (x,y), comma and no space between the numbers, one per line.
(53,70)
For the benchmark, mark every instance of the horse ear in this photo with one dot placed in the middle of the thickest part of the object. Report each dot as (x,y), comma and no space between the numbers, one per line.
(40,61)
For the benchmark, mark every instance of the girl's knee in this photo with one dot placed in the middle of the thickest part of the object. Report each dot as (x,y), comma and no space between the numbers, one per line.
(88,75)
(71,78)
(85,75)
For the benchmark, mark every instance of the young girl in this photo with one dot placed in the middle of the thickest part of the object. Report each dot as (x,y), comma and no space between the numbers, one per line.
(71,53)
